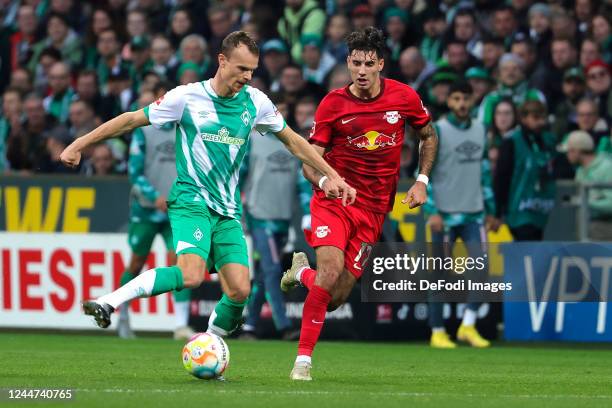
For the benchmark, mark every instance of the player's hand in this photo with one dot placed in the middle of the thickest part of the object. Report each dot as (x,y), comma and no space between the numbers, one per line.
(492,223)
(416,196)
(70,157)
(160,203)
(435,223)
(338,188)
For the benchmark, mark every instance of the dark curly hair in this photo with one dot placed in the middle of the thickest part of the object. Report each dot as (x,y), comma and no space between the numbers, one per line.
(368,39)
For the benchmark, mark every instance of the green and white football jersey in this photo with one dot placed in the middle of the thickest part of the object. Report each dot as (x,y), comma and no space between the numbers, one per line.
(212,138)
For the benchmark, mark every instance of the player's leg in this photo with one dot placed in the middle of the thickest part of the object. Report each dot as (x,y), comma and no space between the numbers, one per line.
(140,239)
(230,257)
(475,236)
(441,244)
(191,230)
(342,290)
(330,264)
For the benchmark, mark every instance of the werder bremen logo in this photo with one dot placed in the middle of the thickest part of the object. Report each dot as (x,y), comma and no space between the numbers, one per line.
(222,136)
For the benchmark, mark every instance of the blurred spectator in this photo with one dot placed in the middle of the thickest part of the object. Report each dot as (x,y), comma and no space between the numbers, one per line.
(180,27)
(275,57)
(437,94)
(219,19)
(598,84)
(338,27)
(101,20)
(536,70)
(464,27)
(503,127)
(140,58)
(413,68)
(482,84)
(601,31)
(593,168)
(316,63)
(512,84)
(119,88)
(304,113)
(583,13)
(150,81)
(157,14)
(293,85)
(398,34)
(589,52)
(194,48)
(338,78)
(539,28)
(164,62)
(434,26)
(58,101)
(109,59)
(457,57)
(492,50)
(524,180)
(300,17)
(87,89)
(504,23)
(564,56)
(82,119)
(10,122)
(46,59)
(22,80)
(362,17)
(563,25)
(189,72)
(102,161)
(574,88)
(137,26)
(22,40)
(61,37)
(26,149)
(588,120)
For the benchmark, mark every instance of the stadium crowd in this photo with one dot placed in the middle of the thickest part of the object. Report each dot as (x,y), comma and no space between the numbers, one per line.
(67,66)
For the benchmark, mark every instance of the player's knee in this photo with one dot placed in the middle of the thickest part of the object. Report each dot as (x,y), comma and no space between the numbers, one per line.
(239,292)
(193,275)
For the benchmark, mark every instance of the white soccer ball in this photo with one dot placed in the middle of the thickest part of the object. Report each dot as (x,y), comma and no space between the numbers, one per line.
(205,356)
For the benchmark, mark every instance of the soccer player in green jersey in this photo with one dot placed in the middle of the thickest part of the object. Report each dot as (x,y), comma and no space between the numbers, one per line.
(213,121)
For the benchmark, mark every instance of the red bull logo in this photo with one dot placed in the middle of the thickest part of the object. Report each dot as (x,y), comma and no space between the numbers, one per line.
(372,140)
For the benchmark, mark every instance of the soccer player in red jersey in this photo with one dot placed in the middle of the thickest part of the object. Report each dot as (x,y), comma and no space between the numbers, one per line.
(359,130)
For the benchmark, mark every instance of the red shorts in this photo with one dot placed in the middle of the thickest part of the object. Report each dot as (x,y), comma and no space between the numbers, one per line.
(351,229)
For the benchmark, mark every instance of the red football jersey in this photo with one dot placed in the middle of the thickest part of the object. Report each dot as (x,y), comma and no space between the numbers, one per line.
(364,138)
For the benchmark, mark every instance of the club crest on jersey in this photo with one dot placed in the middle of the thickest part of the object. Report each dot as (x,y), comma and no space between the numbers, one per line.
(322,231)
(392,117)
(246,118)
(371,140)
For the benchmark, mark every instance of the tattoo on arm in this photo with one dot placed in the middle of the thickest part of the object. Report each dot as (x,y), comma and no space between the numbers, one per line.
(311,174)
(428,148)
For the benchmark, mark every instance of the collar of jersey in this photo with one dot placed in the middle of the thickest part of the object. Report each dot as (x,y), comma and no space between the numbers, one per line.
(211,92)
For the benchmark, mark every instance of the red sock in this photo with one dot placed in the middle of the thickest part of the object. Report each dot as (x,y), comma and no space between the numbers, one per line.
(313,317)
(308,277)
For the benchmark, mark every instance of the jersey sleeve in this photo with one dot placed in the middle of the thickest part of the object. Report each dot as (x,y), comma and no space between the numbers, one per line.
(417,114)
(268,119)
(321,132)
(168,108)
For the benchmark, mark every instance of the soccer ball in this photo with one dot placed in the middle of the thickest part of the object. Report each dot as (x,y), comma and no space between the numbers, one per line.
(205,356)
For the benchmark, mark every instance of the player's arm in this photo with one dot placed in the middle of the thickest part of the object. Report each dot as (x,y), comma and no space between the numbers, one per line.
(428,148)
(310,173)
(334,185)
(124,123)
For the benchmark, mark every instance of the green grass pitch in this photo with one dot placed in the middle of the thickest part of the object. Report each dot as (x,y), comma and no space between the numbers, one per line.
(105,371)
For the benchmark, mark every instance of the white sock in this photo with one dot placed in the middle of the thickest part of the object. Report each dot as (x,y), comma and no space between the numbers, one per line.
(469,317)
(214,329)
(298,275)
(438,330)
(140,286)
(248,328)
(181,314)
(303,359)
